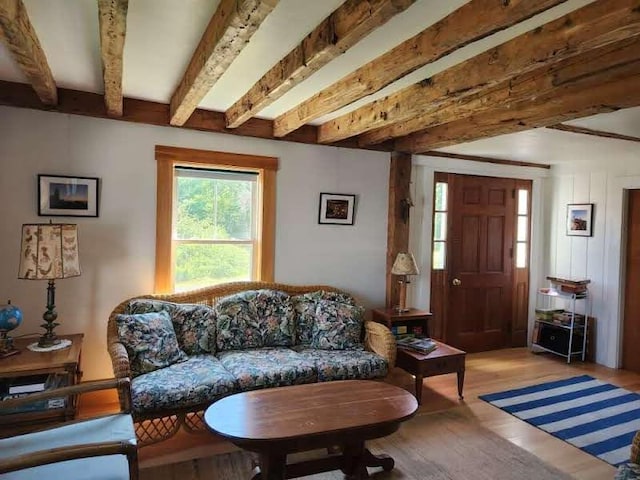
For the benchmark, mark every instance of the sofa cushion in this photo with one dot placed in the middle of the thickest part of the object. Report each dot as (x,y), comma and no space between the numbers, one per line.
(628,471)
(305,311)
(345,364)
(195,325)
(337,326)
(267,367)
(150,341)
(201,379)
(254,319)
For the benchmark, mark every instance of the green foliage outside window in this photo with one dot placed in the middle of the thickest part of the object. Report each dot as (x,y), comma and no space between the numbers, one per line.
(213,209)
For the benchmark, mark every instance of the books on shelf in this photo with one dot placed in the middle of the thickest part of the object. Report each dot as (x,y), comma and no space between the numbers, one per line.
(24,386)
(421,345)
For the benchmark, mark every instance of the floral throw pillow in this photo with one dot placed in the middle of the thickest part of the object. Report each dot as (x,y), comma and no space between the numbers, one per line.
(305,311)
(337,326)
(194,324)
(254,319)
(150,341)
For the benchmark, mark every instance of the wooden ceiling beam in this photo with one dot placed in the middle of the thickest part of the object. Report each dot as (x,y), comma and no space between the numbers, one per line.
(18,34)
(577,94)
(588,131)
(594,25)
(476,158)
(112,15)
(471,22)
(229,30)
(346,26)
(152,113)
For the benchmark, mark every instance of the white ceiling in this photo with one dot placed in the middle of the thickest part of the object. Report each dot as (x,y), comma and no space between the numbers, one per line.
(162,35)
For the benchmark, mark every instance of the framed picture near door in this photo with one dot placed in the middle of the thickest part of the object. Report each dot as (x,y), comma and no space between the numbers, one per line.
(336,208)
(580,219)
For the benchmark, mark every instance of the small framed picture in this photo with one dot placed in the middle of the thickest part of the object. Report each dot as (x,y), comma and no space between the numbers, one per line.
(65,196)
(580,219)
(336,208)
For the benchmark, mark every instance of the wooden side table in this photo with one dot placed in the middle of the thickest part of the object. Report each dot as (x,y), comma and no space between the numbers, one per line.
(416,321)
(444,359)
(64,364)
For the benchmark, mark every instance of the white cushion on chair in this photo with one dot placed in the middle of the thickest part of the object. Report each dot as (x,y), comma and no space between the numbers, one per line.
(97,430)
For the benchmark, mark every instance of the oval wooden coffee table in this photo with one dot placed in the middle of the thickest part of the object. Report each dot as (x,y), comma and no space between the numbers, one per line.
(277,421)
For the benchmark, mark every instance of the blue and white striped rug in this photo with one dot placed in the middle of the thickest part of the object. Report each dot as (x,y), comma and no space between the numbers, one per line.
(595,416)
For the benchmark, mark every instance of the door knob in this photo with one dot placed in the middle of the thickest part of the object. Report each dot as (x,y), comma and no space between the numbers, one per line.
(456,282)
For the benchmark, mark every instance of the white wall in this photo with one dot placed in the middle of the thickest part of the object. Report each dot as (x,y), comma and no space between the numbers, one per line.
(600,177)
(117,250)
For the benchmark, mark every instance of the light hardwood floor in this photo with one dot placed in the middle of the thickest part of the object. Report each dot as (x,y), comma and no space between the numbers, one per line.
(485,373)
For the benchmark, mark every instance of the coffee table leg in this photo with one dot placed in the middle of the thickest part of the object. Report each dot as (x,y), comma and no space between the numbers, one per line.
(460,382)
(272,466)
(353,461)
(385,461)
(419,379)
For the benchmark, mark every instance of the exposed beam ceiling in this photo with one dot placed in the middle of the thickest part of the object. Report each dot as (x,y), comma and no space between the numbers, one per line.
(113,27)
(347,25)
(141,111)
(473,21)
(596,24)
(230,29)
(588,131)
(21,39)
(604,81)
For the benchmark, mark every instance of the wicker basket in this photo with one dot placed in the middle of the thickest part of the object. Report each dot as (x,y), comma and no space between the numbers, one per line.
(635,449)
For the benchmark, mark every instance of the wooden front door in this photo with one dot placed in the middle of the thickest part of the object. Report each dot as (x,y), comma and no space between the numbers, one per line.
(480,262)
(631,328)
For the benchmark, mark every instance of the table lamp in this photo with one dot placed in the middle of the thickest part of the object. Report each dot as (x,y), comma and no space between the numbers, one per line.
(404,266)
(49,251)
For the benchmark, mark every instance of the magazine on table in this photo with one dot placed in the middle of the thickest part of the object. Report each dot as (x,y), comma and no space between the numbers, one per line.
(422,345)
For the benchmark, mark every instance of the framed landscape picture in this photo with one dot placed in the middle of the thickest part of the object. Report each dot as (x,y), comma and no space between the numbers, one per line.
(65,196)
(336,208)
(580,219)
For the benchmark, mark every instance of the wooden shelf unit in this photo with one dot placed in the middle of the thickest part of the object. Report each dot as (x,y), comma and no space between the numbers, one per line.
(64,364)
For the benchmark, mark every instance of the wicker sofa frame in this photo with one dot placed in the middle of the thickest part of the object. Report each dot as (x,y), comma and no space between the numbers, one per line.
(160,425)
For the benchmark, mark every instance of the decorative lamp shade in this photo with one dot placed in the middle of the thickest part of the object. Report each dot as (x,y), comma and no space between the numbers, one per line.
(49,251)
(405,264)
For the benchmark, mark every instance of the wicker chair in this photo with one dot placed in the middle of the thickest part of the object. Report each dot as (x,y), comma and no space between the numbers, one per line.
(97,448)
(160,425)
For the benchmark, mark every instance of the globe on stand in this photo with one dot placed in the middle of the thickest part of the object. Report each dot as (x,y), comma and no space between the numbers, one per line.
(10,318)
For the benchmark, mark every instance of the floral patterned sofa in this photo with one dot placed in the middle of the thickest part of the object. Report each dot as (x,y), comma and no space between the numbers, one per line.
(184,351)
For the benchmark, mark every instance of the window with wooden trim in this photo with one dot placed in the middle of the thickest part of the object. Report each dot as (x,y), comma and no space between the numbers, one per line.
(215,218)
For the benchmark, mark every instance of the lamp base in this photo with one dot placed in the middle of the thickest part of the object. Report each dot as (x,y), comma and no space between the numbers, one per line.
(400,309)
(49,338)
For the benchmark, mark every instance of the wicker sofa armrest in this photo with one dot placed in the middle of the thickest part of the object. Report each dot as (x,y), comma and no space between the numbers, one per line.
(380,340)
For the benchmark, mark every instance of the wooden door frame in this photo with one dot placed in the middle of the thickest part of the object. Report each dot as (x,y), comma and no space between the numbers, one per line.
(423,174)
(518,329)
(612,312)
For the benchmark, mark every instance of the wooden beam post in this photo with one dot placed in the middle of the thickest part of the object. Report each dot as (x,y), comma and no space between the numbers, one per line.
(398,223)
(20,37)
(112,15)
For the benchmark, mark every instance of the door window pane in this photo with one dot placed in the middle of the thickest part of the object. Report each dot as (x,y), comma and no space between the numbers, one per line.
(440,226)
(523,202)
(521,255)
(522,229)
(200,265)
(441,196)
(439,254)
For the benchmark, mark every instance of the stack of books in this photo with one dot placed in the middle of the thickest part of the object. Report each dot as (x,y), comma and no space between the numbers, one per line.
(420,345)
(22,386)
